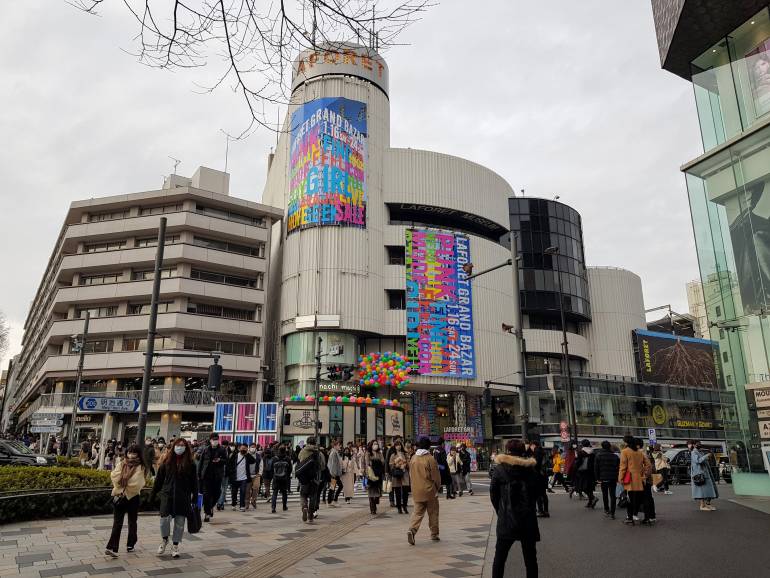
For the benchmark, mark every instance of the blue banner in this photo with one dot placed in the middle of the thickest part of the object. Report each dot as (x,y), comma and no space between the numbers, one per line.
(267,417)
(247,439)
(224,417)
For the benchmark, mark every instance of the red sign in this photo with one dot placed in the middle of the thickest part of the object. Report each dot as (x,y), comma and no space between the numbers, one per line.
(564,426)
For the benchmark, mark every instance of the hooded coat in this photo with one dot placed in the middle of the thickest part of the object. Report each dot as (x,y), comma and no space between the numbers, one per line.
(514,491)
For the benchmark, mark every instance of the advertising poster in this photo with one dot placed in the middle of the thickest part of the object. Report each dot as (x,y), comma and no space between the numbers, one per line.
(394,423)
(225,438)
(267,417)
(301,418)
(245,417)
(224,417)
(327,165)
(247,439)
(439,310)
(425,423)
(677,360)
(266,439)
(475,419)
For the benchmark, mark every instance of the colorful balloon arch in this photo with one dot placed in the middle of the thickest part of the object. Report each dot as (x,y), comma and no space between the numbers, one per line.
(383,369)
(346,399)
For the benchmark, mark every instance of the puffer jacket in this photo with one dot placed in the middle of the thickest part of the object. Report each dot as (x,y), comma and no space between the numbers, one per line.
(606,466)
(514,490)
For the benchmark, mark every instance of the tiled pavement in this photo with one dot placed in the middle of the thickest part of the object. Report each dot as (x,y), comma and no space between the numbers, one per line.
(74,547)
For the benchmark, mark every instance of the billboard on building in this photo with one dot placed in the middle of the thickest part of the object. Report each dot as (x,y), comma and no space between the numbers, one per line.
(439,310)
(224,417)
(677,360)
(245,417)
(267,417)
(327,162)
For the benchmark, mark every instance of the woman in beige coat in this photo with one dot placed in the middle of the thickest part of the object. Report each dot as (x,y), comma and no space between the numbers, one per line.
(349,473)
(128,479)
(631,475)
(398,466)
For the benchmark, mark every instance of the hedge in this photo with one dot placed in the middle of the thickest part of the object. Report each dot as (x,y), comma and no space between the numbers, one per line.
(69,462)
(24,478)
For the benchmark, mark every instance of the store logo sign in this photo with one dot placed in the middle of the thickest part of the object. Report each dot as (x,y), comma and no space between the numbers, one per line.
(762,397)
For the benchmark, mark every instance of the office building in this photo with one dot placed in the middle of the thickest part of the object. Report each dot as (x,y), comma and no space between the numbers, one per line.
(212,298)
(696,304)
(723,49)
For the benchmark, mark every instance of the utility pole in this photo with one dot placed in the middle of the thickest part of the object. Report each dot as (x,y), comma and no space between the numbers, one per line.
(78,380)
(317,389)
(554,252)
(150,350)
(519,333)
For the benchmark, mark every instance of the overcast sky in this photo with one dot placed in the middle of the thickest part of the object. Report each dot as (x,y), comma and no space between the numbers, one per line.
(559,97)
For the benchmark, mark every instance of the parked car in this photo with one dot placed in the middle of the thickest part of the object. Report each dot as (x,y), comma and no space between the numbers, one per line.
(679,458)
(15,453)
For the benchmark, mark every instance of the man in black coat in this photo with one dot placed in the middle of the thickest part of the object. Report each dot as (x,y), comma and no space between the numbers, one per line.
(585,482)
(606,467)
(513,490)
(211,470)
(443,467)
(536,451)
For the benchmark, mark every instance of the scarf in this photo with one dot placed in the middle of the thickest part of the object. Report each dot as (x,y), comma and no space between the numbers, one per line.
(128,469)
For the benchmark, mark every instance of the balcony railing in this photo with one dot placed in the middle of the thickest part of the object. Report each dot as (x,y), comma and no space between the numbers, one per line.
(64,401)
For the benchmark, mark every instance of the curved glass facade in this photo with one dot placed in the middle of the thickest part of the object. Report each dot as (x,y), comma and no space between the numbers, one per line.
(540,224)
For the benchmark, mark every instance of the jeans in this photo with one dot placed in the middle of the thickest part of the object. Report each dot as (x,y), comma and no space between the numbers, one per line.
(503,546)
(468,484)
(333,494)
(239,487)
(223,491)
(281,486)
(212,487)
(165,527)
(130,507)
(457,483)
(267,482)
(608,496)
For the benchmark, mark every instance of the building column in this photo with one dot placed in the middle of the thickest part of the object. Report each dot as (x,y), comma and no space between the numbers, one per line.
(170,425)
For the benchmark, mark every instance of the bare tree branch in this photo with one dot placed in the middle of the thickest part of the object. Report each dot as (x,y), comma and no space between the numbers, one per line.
(5,331)
(255,42)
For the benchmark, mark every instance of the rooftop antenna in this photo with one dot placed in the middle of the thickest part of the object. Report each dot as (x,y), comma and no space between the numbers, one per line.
(522,192)
(227,146)
(176,163)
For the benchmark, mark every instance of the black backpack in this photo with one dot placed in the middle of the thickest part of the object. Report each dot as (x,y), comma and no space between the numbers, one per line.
(280,470)
(307,471)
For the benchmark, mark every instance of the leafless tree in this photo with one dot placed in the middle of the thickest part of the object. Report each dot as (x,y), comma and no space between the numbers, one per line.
(4,334)
(255,42)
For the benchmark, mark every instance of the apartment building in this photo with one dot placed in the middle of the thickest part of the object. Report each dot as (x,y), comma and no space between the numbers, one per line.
(212,296)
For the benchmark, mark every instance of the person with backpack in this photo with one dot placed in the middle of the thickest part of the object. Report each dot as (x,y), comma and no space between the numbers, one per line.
(266,471)
(308,472)
(606,467)
(211,471)
(252,492)
(239,473)
(281,477)
(585,483)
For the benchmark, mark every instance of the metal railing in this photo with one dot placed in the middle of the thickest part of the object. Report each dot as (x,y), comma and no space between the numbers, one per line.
(65,401)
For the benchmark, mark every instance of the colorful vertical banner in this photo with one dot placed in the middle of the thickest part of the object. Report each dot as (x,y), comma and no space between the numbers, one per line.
(474,417)
(439,310)
(246,417)
(327,165)
(247,439)
(268,420)
(224,417)
(266,439)
(225,438)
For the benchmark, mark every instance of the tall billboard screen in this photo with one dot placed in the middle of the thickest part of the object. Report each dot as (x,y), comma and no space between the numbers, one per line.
(677,360)
(327,161)
(439,310)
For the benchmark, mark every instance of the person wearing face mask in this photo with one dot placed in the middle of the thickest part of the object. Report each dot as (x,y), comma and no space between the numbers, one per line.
(177,485)
(399,475)
(334,464)
(388,454)
(239,473)
(702,483)
(375,471)
(128,479)
(349,471)
(281,477)
(252,491)
(149,455)
(229,450)
(211,470)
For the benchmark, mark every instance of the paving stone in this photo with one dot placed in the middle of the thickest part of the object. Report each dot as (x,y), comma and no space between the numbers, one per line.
(163,571)
(110,570)
(80,568)
(452,573)
(30,558)
(467,557)
(338,546)
(330,560)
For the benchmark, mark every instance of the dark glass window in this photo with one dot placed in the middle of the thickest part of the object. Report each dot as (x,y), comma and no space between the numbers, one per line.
(396,299)
(396,254)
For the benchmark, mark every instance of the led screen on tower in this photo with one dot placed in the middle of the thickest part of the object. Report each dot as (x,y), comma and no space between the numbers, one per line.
(327,162)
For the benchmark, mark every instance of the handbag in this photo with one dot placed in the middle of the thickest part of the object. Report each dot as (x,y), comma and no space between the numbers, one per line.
(371,475)
(194,522)
(397,472)
(699,479)
(627,477)
(387,486)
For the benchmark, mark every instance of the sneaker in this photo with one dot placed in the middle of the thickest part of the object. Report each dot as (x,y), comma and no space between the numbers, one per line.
(162,547)
(410,537)
(669,493)
(242,509)
(175,550)
(435,538)
(636,518)
(304,514)
(285,508)
(207,518)
(272,511)
(235,508)
(129,548)
(655,489)
(470,492)
(110,553)
(710,507)
(629,521)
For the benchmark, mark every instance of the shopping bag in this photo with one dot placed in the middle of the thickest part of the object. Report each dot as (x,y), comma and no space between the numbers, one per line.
(387,486)
(194,522)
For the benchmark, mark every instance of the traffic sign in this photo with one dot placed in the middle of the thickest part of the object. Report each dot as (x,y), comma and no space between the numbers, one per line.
(104,404)
(45,429)
(652,436)
(564,426)
(41,422)
(564,436)
(47,415)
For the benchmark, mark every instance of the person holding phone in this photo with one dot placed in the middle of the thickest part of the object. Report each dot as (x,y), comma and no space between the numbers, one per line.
(211,470)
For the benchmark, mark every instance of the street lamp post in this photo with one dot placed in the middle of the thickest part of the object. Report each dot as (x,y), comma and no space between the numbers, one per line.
(554,252)
(78,380)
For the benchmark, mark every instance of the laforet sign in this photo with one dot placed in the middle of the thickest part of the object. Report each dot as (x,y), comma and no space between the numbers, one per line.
(341,59)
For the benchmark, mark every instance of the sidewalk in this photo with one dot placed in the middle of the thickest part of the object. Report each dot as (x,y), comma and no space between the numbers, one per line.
(341,542)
